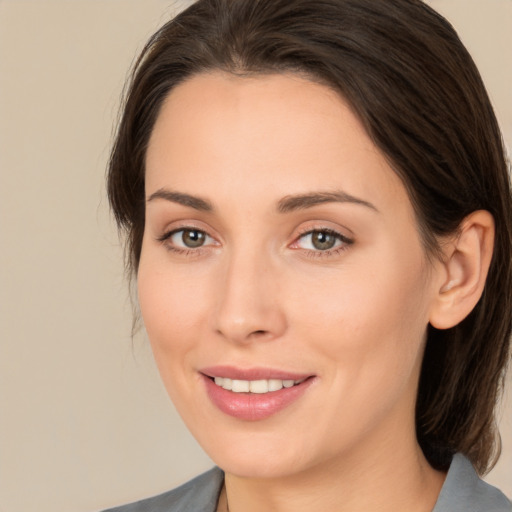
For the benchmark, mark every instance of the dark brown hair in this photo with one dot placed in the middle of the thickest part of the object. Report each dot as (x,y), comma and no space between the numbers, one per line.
(409,79)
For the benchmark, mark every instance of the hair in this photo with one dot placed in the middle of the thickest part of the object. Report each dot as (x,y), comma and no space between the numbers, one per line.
(411,82)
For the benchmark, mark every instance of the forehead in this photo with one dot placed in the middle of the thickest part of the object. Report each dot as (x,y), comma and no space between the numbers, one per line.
(206,101)
(268,135)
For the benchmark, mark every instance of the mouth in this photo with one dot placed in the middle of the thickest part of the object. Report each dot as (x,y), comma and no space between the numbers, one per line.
(261,386)
(254,394)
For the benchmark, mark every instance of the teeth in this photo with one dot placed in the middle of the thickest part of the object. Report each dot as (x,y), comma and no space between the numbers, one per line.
(258,386)
(254,386)
(240,386)
(275,385)
(224,383)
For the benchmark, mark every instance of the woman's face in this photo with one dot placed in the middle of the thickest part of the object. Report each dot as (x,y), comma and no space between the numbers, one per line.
(281,259)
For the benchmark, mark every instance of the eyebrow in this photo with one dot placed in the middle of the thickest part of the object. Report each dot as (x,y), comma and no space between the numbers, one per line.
(181,198)
(285,205)
(303,201)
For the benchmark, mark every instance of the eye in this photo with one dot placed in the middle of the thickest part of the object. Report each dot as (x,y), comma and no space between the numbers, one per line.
(187,238)
(322,240)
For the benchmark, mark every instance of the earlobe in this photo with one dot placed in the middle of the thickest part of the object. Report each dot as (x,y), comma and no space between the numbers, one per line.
(463,270)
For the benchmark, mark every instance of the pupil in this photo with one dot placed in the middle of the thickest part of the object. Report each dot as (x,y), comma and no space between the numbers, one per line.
(193,238)
(323,241)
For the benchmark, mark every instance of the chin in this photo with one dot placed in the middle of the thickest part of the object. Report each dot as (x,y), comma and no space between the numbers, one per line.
(256,467)
(256,454)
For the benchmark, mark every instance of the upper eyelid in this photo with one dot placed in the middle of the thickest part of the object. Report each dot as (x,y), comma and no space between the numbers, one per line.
(170,232)
(183,225)
(319,228)
(308,231)
(342,238)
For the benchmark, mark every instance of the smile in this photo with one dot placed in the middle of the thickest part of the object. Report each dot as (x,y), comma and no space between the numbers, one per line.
(261,386)
(254,394)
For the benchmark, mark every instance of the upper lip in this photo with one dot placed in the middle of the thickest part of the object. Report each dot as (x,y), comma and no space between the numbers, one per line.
(255,373)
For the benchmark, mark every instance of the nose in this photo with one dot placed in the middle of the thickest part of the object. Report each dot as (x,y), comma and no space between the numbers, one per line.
(249,304)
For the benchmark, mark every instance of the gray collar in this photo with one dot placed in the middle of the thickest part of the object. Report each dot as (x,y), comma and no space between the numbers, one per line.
(464,491)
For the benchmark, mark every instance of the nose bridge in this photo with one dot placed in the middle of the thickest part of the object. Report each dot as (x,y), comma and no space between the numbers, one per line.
(248,305)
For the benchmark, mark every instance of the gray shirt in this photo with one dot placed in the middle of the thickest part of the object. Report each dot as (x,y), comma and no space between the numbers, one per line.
(463,491)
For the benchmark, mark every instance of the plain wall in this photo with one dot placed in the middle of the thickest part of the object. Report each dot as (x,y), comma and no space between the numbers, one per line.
(84,420)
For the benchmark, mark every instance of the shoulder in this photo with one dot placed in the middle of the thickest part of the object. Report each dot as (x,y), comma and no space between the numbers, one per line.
(201,493)
(464,491)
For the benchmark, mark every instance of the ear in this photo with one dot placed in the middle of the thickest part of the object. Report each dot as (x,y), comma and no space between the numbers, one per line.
(463,270)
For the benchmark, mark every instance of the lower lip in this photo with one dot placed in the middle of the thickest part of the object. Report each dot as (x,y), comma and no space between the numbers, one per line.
(254,406)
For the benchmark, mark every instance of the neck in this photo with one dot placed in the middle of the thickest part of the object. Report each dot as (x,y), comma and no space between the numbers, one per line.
(392,477)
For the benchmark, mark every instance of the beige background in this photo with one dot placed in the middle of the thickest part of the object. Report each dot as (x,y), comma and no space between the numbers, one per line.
(84,420)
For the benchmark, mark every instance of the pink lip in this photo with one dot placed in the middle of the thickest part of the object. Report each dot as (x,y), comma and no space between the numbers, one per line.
(251,373)
(253,406)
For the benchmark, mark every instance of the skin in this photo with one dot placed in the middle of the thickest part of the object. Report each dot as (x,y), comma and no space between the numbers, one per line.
(258,293)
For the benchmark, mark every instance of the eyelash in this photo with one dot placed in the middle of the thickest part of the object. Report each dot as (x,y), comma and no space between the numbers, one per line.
(346,242)
(182,250)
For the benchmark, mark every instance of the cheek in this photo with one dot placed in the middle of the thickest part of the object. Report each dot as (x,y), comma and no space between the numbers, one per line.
(359,300)
(370,318)
(171,306)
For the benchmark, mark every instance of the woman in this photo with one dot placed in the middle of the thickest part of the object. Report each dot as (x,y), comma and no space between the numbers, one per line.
(318,214)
